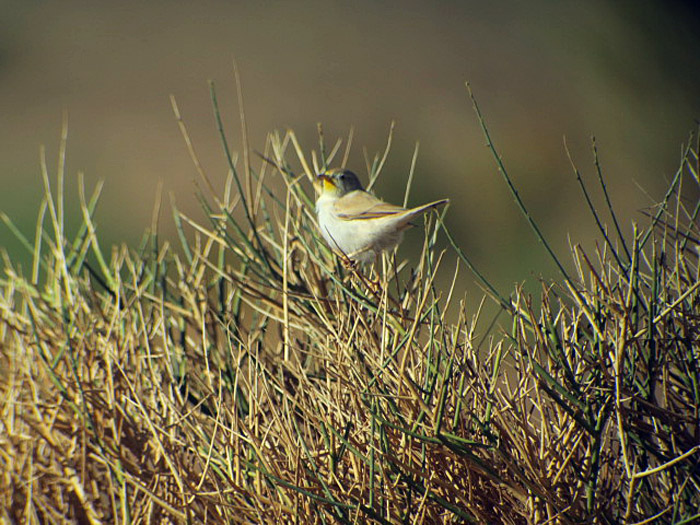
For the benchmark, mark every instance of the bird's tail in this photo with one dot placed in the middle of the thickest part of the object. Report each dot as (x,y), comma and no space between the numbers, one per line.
(418,210)
(425,207)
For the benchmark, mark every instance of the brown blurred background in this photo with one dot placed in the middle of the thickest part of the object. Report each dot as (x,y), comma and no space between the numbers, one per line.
(626,72)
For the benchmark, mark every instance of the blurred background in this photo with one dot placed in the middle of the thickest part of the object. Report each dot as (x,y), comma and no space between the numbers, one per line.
(625,72)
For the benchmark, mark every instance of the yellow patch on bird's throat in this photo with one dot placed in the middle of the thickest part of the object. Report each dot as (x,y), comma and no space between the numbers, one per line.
(328,184)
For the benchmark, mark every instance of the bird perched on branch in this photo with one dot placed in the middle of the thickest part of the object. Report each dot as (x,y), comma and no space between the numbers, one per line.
(356,224)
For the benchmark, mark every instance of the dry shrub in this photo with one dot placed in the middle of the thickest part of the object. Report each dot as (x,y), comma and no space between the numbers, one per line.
(246,376)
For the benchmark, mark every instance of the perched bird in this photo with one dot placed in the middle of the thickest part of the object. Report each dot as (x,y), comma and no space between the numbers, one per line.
(354,222)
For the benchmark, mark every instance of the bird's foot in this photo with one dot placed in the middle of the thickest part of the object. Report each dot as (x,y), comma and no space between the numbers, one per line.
(349,264)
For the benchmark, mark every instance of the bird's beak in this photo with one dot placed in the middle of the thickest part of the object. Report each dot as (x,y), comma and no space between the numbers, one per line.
(324,182)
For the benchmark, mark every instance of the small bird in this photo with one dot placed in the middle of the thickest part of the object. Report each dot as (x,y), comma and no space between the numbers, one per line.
(354,222)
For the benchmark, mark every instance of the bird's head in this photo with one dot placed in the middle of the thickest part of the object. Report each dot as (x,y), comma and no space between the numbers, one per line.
(337,182)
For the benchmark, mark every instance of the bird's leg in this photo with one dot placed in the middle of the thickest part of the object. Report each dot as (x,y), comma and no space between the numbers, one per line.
(350,263)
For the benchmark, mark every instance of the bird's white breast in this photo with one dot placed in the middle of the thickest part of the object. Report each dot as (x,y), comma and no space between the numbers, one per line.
(361,239)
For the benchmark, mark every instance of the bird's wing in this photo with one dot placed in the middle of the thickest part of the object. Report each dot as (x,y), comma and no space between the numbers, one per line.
(361,205)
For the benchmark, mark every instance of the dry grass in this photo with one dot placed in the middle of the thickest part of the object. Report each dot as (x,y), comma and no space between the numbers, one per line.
(245,376)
